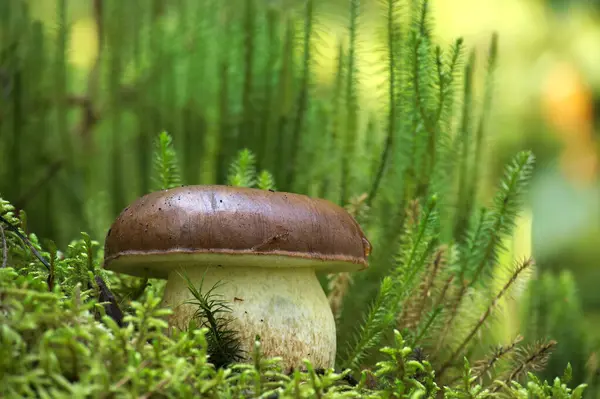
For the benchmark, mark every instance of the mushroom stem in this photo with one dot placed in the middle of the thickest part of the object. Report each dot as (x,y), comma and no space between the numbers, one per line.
(285,306)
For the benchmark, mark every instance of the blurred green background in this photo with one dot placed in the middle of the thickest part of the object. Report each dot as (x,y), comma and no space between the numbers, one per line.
(547,99)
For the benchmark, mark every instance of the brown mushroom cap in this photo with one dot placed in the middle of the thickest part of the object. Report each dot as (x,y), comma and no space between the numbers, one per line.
(224,225)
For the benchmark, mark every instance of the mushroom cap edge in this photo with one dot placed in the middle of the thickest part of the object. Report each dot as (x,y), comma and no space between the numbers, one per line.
(223,225)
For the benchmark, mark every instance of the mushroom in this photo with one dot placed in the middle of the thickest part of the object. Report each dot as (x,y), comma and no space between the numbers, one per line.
(265,246)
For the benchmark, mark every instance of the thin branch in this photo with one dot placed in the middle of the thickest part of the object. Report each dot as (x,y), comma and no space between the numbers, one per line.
(484,366)
(4,248)
(111,306)
(498,354)
(510,190)
(524,265)
(539,357)
(23,238)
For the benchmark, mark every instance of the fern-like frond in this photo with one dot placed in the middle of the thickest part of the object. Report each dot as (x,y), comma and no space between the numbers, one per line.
(417,244)
(265,181)
(378,320)
(413,308)
(481,127)
(500,223)
(484,368)
(529,359)
(481,251)
(166,169)
(224,346)
(333,161)
(392,50)
(463,144)
(351,127)
(521,267)
(442,159)
(303,95)
(242,172)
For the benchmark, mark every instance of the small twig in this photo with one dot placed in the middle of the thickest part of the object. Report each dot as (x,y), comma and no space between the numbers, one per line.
(23,238)
(4,248)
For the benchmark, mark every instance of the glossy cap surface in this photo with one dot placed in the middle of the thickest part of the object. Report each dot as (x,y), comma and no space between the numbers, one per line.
(224,225)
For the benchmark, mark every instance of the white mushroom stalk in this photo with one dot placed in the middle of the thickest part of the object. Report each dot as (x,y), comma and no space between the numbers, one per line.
(265,247)
(286,308)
